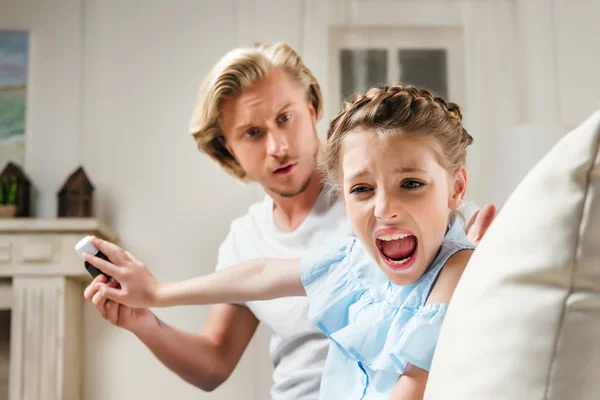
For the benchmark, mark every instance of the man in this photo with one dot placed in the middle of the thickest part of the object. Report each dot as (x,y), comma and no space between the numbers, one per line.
(256,116)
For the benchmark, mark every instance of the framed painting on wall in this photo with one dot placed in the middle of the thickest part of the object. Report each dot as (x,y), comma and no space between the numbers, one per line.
(13,87)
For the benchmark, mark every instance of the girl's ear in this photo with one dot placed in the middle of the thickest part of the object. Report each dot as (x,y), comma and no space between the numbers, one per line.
(458,189)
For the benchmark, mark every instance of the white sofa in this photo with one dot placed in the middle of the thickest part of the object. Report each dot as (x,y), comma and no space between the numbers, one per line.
(524,322)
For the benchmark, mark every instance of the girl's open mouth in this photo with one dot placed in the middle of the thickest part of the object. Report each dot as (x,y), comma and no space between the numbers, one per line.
(399,250)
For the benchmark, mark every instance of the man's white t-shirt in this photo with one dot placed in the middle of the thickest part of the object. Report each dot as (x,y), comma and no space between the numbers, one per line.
(298,348)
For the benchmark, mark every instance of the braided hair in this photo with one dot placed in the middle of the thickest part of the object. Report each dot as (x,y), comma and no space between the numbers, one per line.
(398,109)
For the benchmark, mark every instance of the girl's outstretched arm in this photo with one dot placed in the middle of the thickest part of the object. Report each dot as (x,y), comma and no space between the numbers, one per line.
(260,279)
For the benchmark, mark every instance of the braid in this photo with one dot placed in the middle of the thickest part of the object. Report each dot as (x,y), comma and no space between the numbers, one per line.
(394,108)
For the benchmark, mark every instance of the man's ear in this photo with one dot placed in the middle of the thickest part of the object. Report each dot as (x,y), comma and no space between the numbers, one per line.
(458,189)
(222,143)
(313,113)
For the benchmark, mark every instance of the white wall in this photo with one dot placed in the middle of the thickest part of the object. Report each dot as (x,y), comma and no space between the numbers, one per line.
(113,84)
(577,41)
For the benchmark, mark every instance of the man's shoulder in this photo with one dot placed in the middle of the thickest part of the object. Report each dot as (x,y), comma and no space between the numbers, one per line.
(243,233)
(255,215)
(249,225)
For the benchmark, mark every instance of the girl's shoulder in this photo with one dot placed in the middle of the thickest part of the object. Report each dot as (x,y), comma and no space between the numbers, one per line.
(448,278)
(437,284)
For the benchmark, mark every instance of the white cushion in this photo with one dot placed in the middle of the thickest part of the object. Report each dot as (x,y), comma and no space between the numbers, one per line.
(524,322)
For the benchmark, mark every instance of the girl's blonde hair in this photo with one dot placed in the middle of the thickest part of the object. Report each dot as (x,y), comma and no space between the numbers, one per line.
(237,70)
(398,109)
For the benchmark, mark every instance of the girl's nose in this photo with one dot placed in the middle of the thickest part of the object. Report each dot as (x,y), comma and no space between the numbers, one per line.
(384,208)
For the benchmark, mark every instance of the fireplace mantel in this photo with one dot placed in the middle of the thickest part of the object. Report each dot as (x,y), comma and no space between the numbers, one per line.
(41,281)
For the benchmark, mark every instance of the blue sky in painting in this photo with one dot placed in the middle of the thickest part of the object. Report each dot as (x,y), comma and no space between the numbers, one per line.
(13,58)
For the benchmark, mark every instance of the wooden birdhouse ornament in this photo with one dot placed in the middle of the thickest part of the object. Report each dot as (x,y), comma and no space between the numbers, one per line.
(75,197)
(15,190)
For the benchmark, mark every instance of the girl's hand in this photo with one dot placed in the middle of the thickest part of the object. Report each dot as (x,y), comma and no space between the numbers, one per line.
(138,287)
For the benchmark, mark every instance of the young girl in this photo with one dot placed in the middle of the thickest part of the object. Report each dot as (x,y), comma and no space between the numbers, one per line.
(397,157)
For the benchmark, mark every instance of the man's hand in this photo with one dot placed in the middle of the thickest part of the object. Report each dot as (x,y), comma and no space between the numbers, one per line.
(117,314)
(480,222)
(137,286)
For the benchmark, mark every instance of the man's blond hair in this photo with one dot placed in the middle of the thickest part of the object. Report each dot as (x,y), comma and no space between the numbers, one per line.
(237,70)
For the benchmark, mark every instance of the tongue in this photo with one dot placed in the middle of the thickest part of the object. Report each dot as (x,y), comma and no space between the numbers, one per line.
(399,249)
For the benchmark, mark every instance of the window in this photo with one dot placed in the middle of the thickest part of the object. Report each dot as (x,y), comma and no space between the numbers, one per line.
(426,68)
(426,57)
(362,69)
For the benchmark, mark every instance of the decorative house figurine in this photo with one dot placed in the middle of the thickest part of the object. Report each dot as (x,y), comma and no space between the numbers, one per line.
(15,191)
(75,197)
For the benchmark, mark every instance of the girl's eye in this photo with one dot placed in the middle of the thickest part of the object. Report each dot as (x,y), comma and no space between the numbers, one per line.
(252,132)
(285,117)
(412,184)
(360,189)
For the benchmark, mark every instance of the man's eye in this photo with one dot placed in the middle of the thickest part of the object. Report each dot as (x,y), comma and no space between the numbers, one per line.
(412,184)
(285,117)
(252,132)
(360,189)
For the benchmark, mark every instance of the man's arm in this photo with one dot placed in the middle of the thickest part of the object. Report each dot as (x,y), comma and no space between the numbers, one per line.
(204,359)
(208,358)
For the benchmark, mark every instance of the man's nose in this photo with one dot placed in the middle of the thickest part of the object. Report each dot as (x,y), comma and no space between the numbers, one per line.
(277,143)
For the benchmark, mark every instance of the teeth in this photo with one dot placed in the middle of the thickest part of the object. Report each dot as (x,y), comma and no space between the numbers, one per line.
(399,262)
(392,236)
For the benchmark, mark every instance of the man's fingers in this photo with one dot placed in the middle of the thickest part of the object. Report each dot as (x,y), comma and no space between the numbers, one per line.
(111,250)
(100,301)
(113,283)
(482,221)
(133,258)
(108,309)
(103,265)
(489,214)
(91,290)
(111,293)
(112,311)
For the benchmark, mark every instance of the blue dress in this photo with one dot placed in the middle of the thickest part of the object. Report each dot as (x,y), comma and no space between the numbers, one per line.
(375,327)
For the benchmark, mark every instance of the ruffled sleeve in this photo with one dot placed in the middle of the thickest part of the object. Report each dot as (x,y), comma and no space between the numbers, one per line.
(385,338)
(417,341)
(329,284)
